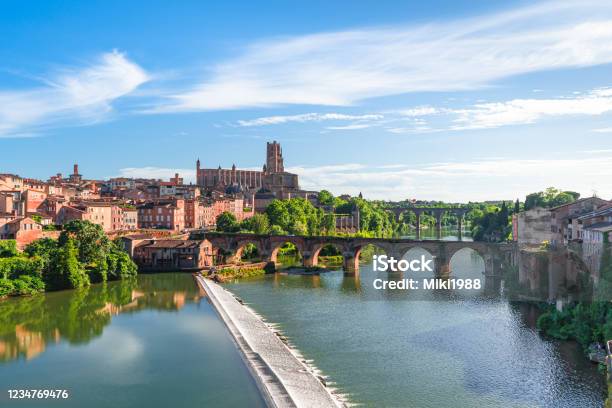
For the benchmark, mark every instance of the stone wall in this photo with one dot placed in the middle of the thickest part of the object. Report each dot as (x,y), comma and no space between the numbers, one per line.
(534,226)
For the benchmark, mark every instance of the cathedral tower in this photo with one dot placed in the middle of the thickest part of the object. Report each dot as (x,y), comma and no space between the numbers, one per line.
(274,158)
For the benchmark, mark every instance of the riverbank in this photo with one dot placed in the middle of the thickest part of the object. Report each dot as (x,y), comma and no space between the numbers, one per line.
(227,273)
(282,378)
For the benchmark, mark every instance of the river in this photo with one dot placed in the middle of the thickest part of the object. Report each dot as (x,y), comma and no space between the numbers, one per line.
(158,343)
(153,343)
(424,349)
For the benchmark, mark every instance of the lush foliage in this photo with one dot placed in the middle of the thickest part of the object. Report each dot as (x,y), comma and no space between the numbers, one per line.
(241,272)
(258,224)
(226,222)
(8,247)
(586,323)
(296,216)
(488,221)
(549,198)
(493,225)
(81,255)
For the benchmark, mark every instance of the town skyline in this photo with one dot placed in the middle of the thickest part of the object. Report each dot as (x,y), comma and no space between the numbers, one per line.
(455,113)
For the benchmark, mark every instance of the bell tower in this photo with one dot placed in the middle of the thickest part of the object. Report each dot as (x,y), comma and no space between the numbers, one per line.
(274,158)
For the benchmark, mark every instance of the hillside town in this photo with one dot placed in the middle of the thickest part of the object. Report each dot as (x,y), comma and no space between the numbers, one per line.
(31,208)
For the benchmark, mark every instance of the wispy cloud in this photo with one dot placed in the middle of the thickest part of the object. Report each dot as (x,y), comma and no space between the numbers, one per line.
(74,97)
(341,68)
(499,178)
(504,113)
(526,111)
(305,117)
(603,130)
(352,126)
(152,172)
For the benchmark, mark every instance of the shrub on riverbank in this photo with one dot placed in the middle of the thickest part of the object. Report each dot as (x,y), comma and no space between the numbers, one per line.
(82,254)
(586,323)
(228,274)
(331,260)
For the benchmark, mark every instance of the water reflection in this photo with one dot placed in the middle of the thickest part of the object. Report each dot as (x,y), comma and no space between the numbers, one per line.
(29,325)
(516,274)
(441,348)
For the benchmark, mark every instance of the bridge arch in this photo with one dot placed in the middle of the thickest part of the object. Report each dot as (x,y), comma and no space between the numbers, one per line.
(278,248)
(321,247)
(242,244)
(467,262)
(416,251)
(370,248)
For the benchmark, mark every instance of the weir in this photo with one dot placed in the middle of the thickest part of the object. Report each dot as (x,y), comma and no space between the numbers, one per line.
(282,378)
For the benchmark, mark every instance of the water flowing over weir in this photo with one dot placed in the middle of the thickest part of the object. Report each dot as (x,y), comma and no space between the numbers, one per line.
(283,380)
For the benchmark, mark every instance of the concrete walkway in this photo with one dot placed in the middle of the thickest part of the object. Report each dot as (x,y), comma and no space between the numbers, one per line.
(283,380)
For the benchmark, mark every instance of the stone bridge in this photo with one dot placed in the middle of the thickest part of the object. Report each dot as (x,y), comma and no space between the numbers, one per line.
(268,246)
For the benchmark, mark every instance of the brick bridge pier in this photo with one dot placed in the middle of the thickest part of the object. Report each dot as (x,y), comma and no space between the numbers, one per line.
(268,246)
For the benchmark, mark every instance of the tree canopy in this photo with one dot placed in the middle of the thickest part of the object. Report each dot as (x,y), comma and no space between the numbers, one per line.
(549,198)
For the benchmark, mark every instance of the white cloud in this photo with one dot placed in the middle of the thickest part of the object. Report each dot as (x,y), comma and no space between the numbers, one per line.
(353,126)
(526,111)
(499,178)
(74,97)
(504,113)
(598,151)
(420,111)
(157,173)
(341,68)
(305,117)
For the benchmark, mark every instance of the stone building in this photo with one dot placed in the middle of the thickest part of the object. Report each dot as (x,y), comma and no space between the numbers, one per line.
(110,215)
(166,214)
(172,255)
(24,230)
(565,218)
(558,225)
(533,227)
(272,177)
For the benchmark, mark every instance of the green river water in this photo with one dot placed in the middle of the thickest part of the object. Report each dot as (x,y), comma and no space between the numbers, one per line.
(156,343)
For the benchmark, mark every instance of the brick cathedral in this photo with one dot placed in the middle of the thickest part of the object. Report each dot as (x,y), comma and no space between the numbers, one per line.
(273,178)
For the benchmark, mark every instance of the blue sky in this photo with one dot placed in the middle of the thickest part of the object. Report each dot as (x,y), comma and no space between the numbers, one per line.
(429,100)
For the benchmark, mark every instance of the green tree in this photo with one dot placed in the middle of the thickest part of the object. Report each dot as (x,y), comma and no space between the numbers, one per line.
(91,242)
(8,248)
(326,198)
(277,230)
(66,270)
(551,197)
(517,206)
(43,248)
(257,224)
(328,224)
(278,214)
(226,222)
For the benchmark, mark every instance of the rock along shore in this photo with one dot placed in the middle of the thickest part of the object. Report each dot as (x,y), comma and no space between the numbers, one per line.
(281,377)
